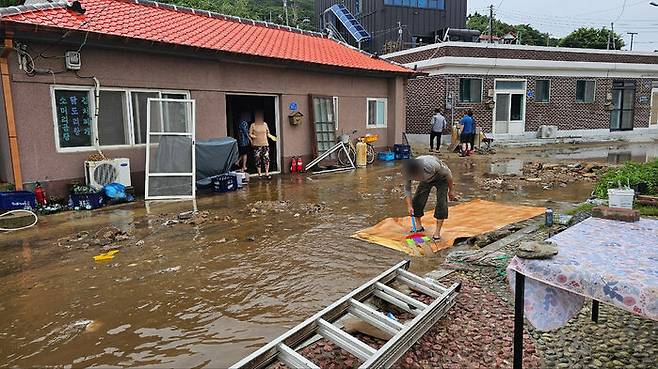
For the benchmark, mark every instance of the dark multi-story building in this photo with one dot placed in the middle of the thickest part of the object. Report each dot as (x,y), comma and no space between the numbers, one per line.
(399,24)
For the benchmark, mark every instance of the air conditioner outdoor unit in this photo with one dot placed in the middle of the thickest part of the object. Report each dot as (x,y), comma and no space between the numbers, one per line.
(547,132)
(101,173)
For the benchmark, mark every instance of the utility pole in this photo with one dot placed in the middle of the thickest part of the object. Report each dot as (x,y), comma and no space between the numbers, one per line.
(400,34)
(632,38)
(612,36)
(609,37)
(491,7)
(285,8)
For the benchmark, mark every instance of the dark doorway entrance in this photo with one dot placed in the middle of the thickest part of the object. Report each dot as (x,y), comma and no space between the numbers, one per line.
(623,104)
(243,107)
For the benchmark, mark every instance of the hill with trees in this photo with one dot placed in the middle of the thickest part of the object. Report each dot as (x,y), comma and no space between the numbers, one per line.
(590,38)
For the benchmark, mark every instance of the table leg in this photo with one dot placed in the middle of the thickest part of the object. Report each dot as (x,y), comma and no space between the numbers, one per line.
(519,292)
(595,311)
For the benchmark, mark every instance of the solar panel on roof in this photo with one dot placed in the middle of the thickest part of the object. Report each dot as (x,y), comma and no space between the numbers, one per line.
(350,23)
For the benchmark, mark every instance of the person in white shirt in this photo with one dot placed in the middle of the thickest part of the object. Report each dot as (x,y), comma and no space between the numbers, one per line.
(438,125)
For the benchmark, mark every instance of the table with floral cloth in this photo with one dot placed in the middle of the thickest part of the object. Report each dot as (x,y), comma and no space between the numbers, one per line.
(604,260)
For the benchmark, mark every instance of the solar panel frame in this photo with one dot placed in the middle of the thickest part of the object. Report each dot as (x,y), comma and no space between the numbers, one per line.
(350,23)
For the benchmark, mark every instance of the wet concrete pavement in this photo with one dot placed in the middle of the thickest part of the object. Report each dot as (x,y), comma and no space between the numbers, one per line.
(206,295)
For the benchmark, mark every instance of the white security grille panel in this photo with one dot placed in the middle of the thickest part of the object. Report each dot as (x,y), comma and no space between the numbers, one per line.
(170,153)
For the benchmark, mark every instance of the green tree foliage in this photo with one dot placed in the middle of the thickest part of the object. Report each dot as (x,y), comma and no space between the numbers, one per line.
(526,33)
(591,38)
(301,13)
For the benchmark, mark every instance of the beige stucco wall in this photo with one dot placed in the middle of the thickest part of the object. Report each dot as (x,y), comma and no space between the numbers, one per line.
(208,82)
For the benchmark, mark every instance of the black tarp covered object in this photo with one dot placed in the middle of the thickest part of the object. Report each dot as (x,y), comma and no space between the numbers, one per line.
(214,157)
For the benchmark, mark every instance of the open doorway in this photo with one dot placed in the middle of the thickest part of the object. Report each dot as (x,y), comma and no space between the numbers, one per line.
(243,107)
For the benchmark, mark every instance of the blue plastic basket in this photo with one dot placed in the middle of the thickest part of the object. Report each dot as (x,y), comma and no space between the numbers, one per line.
(225,183)
(87,201)
(386,156)
(402,152)
(16,200)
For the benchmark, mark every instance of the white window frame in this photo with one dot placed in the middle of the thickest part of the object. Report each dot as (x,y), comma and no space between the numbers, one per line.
(576,92)
(654,92)
(550,83)
(335,103)
(378,100)
(94,125)
(92,106)
(128,121)
(459,91)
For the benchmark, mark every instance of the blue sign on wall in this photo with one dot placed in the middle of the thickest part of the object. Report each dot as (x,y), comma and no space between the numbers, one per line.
(293,106)
(531,93)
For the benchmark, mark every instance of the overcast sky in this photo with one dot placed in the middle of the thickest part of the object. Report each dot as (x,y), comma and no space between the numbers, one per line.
(560,17)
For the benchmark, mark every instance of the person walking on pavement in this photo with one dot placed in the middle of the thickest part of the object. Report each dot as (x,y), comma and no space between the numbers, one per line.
(430,172)
(438,125)
(467,136)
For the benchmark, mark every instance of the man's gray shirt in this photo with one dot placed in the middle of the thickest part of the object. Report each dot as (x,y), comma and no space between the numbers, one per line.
(438,123)
(433,170)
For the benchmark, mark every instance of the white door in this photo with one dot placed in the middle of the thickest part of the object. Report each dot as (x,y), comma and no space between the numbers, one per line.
(510,113)
(653,123)
(509,97)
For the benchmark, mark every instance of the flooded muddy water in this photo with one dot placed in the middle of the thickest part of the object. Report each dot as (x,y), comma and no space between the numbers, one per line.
(205,295)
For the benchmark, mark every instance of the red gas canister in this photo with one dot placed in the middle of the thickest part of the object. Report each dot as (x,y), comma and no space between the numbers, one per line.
(293,165)
(300,165)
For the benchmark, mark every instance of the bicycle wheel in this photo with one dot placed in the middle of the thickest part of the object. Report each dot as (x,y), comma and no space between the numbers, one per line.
(370,154)
(342,156)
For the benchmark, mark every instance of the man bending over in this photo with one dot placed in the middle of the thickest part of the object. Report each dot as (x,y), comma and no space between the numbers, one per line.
(430,172)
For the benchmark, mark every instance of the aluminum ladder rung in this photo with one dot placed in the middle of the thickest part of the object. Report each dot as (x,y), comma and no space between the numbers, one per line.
(374,318)
(284,347)
(422,285)
(401,304)
(418,287)
(344,340)
(400,296)
(294,360)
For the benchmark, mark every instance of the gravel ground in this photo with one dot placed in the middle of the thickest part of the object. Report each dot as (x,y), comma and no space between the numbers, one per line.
(619,340)
(477,332)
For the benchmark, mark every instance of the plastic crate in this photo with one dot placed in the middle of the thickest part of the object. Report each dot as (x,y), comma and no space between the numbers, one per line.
(386,156)
(225,183)
(402,152)
(87,201)
(16,200)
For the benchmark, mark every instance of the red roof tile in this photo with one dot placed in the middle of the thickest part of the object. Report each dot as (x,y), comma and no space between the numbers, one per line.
(161,23)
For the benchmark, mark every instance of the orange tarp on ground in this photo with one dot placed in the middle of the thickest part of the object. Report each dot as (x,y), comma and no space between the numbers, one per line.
(466,220)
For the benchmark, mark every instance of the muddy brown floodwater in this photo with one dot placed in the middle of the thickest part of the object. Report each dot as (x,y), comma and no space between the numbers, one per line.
(205,295)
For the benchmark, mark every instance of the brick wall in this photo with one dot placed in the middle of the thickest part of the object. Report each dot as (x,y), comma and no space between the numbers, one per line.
(427,93)
(518,52)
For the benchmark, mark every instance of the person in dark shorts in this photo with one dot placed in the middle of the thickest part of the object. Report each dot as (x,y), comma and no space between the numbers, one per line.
(430,172)
(438,124)
(244,141)
(467,135)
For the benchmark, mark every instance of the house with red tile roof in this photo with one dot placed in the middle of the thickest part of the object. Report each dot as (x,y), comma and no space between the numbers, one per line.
(111,56)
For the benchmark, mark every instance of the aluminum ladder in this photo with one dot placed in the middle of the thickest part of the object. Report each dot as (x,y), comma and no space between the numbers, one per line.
(284,347)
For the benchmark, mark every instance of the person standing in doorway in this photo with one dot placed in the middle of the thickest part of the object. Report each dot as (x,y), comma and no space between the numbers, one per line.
(259,133)
(438,125)
(430,172)
(244,141)
(467,127)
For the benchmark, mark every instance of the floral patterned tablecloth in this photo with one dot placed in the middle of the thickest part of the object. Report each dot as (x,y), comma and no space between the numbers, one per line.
(609,261)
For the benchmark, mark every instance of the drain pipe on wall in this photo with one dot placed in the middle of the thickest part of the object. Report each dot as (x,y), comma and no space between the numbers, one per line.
(9,111)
